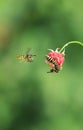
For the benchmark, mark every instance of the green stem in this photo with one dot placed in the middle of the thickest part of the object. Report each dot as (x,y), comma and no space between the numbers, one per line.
(68,43)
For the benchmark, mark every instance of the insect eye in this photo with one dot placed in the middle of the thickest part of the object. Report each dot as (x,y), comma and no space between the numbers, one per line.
(57,68)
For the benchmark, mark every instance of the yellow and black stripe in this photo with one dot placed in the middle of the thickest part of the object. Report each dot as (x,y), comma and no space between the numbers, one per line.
(56,67)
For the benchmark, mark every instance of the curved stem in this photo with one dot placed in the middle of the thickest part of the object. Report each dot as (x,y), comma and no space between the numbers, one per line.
(68,43)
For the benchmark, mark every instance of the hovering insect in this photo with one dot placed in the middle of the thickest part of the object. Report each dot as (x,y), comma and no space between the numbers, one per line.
(27,57)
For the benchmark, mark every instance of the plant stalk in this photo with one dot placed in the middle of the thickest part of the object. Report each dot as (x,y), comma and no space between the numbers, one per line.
(71,42)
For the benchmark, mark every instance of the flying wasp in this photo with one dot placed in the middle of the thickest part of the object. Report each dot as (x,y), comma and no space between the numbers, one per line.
(27,57)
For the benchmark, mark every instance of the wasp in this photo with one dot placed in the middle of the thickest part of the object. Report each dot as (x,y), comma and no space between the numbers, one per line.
(27,57)
(52,63)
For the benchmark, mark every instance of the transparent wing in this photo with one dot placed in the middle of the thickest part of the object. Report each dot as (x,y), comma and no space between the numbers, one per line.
(28,50)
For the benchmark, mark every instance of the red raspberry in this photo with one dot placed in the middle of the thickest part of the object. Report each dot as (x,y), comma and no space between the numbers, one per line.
(55,59)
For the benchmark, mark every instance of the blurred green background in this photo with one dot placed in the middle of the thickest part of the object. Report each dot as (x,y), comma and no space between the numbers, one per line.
(31,99)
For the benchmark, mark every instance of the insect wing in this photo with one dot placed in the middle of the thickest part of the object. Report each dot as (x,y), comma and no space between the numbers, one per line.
(28,50)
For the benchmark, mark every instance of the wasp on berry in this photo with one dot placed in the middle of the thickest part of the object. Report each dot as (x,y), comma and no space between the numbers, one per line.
(55,60)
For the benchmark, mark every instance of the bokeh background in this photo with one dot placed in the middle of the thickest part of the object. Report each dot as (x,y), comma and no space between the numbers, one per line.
(31,99)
